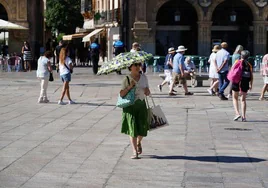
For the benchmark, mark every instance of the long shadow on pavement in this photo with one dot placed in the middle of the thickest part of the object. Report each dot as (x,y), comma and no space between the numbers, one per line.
(217,159)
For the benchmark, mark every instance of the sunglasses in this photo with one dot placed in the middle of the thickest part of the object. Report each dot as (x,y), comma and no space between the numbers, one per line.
(137,64)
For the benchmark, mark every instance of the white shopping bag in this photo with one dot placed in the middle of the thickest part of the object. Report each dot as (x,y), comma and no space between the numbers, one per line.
(156,117)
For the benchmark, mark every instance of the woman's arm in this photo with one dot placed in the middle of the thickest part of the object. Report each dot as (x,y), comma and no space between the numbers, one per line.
(49,66)
(71,66)
(22,50)
(125,91)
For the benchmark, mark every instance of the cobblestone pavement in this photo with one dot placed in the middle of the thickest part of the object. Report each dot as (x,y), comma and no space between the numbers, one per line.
(80,145)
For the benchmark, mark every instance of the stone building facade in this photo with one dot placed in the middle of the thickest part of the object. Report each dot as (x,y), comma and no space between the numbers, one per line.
(200,25)
(28,13)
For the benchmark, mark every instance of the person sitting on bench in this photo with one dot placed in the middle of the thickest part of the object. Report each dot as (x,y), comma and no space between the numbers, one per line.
(190,69)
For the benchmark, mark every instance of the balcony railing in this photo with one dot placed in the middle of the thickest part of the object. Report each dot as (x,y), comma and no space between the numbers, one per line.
(107,17)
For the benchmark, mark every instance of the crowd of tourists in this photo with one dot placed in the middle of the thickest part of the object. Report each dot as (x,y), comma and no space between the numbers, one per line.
(177,69)
(239,77)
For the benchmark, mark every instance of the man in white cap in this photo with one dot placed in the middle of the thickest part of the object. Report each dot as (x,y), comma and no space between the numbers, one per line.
(168,66)
(178,71)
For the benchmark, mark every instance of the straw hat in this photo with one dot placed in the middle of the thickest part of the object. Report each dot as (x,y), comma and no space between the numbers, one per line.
(216,48)
(181,49)
(171,50)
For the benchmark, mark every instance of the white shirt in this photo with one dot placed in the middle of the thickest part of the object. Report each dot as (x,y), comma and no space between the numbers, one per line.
(140,86)
(62,68)
(42,69)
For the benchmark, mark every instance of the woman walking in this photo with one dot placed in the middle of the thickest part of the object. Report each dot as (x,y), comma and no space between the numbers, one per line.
(134,117)
(43,70)
(243,86)
(66,68)
(27,56)
(213,71)
(264,73)
(236,56)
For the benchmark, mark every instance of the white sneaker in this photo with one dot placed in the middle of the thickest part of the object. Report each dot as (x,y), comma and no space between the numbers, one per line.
(159,88)
(61,102)
(71,102)
(228,96)
(209,91)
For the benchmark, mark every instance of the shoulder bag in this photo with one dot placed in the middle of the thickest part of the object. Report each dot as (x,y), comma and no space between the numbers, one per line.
(128,100)
(51,79)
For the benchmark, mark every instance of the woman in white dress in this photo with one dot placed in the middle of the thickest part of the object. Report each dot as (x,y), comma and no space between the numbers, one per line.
(213,74)
(264,73)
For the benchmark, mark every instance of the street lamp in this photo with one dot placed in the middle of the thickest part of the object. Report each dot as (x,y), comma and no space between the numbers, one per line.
(177,16)
(233,16)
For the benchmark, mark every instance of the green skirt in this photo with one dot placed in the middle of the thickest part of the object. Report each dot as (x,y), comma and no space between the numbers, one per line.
(135,119)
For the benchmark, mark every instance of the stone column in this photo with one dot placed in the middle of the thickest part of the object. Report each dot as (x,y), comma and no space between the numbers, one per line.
(140,29)
(204,37)
(260,37)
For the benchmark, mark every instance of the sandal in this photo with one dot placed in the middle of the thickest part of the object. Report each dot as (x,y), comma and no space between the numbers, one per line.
(139,148)
(135,156)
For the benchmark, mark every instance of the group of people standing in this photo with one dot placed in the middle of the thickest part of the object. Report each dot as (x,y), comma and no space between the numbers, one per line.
(219,70)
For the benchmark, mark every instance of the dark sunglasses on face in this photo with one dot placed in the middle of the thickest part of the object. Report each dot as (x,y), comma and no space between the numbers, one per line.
(137,64)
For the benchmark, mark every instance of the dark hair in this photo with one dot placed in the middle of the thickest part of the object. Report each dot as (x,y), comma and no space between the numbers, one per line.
(129,68)
(96,41)
(27,44)
(48,54)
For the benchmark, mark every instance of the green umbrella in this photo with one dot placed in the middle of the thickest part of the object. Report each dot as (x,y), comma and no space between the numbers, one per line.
(123,61)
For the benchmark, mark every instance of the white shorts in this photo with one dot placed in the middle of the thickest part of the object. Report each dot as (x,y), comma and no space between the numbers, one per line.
(168,74)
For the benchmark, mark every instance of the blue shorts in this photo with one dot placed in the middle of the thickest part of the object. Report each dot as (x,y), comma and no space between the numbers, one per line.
(66,77)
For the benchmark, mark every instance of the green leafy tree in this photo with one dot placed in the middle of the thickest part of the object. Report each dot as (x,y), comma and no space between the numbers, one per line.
(64,15)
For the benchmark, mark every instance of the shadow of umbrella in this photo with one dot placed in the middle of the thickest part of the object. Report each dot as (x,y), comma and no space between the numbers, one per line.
(216,159)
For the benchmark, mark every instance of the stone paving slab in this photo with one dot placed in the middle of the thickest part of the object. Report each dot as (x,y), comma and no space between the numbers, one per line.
(80,146)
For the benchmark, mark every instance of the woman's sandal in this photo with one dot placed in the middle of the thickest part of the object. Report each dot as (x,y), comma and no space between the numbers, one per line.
(139,148)
(135,156)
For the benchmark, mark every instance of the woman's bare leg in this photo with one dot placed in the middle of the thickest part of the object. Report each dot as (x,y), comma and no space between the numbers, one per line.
(68,91)
(133,141)
(29,66)
(243,104)
(235,102)
(63,91)
(265,87)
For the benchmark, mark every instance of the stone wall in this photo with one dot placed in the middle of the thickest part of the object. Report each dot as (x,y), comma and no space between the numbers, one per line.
(143,18)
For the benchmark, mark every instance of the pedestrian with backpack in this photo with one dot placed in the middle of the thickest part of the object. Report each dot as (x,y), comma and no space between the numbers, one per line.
(241,76)
(95,55)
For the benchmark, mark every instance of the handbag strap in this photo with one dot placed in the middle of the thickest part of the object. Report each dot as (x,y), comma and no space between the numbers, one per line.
(146,99)
(128,80)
